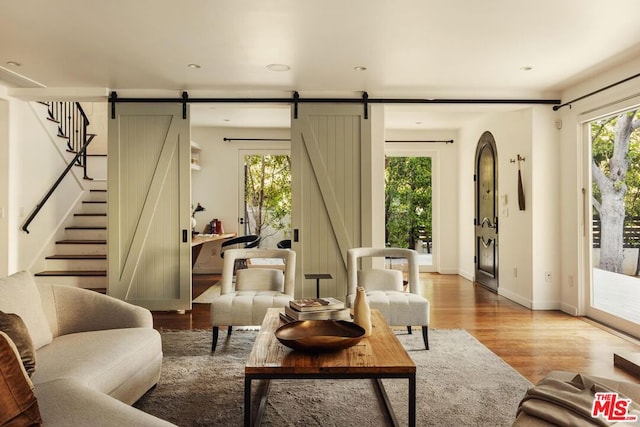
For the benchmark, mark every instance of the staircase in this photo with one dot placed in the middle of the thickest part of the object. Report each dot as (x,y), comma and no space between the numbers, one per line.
(80,257)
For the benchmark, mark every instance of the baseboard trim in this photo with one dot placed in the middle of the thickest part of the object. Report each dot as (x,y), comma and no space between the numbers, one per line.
(569,309)
(469,276)
(545,305)
(518,299)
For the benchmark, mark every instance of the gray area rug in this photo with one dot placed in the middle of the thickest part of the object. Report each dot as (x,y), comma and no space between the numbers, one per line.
(459,383)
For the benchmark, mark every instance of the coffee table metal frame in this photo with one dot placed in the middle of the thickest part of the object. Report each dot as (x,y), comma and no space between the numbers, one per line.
(327,372)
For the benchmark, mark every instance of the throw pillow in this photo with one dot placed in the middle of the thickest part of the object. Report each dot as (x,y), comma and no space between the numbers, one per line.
(19,294)
(12,325)
(18,403)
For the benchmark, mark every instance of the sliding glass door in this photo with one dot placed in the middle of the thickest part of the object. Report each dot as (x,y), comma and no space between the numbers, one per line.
(612,198)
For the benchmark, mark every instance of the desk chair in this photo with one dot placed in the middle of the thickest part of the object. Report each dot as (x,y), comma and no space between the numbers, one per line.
(247,241)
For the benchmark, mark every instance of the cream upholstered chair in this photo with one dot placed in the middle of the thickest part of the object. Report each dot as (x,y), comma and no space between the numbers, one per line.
(384,288)
(245,300)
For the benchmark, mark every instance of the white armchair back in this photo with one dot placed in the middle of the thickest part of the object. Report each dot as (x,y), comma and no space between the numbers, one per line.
(415,286)
(260,274)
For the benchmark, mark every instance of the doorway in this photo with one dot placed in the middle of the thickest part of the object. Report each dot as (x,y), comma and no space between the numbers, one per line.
(265,195)
(486,214)
(409,221)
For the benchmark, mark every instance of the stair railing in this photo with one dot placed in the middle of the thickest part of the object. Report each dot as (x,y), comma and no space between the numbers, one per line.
(72,125)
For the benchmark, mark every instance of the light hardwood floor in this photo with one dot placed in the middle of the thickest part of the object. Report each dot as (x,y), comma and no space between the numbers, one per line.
(532,342)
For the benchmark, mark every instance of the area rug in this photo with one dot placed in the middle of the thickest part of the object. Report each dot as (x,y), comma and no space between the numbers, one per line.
(207,296)
(459,383)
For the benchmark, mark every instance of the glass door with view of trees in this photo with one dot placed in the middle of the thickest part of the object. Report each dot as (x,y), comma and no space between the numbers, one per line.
(615,201)
(408,213)
(266,198)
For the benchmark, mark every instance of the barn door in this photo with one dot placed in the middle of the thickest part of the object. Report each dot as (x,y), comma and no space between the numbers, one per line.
(486,215)
(331,200)
(149,255)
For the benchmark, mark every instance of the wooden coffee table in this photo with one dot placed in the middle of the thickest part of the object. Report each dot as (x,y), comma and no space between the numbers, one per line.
(379,356)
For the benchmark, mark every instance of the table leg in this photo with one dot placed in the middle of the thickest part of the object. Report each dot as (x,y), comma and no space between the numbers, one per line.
(247,402)
(263,391)
(252,418)
(412,400)
(385,400)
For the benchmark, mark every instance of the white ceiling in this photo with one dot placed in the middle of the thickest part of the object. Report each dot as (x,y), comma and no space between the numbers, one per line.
(411,49)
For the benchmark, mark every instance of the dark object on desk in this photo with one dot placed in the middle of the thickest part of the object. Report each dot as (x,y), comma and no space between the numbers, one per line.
(250,241)
(317,336)
(318,276)
(284,244)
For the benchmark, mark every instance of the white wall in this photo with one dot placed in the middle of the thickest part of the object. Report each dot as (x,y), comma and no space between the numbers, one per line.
(528,244)
(4,187)
(37,159)
(445,188)
(216,185)
(545,203)
(98,114)
(574,281)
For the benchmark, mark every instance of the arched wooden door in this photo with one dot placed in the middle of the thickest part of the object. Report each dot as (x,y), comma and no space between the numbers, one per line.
(486,212)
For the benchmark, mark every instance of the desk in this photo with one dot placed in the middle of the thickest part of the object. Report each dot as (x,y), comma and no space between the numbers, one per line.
(199,240)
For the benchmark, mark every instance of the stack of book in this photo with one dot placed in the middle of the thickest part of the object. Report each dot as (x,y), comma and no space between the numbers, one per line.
(315,309)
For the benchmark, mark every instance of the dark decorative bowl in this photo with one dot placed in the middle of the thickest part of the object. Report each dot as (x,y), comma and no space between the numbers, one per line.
(319,336)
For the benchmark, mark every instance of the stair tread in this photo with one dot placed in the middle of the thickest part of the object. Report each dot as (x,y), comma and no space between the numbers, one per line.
(72,273)
(79,256)
(90,214)
(85,227)
(82,242)
(97,190)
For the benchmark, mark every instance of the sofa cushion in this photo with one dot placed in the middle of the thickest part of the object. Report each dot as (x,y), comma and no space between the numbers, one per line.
(398,308)
(245,308)
(19,294)
(17,401)
(101,360)
(66,402)
(12,325)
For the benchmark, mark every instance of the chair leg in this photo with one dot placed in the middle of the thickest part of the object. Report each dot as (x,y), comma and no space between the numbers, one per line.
(214,340)
(425,337)
(229,330)
(409,330)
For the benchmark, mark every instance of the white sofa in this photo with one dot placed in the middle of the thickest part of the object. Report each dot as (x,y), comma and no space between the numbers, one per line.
(95,355)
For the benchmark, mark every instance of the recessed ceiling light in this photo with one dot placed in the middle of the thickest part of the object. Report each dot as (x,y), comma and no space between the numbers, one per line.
(14,63)
(195,66)
(360,68)
(526,68)
(278,67)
